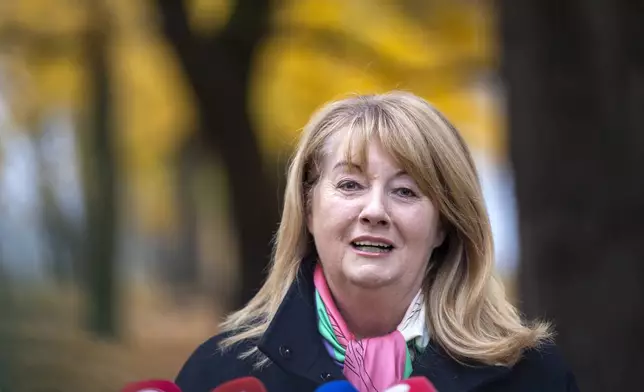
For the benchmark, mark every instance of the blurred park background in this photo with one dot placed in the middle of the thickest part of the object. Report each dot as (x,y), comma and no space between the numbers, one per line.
(143,146)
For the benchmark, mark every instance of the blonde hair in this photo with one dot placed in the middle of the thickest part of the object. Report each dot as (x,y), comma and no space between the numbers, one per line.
(468,314)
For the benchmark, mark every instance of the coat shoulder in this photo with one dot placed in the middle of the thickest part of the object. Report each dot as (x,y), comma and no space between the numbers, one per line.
(541,369)
(210,365)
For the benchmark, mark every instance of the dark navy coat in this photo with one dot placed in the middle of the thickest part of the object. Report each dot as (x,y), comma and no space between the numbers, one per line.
(300,362)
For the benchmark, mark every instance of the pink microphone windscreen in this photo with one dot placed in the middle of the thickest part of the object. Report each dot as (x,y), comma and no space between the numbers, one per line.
(152,386)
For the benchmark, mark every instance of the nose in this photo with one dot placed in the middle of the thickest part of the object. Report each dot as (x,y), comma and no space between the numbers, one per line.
(375,212)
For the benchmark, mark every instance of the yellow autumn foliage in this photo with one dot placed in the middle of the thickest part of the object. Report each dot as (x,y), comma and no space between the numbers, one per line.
(318,50)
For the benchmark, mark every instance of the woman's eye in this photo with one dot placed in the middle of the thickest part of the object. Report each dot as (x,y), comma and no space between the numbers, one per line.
(405,192)
(349,185)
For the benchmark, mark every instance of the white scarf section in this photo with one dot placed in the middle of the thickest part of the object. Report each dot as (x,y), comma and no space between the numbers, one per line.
(413,325)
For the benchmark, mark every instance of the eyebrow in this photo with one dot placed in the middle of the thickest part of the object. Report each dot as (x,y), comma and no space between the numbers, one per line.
(353,166)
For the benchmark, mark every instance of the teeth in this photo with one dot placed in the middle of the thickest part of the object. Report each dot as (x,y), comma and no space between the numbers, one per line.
(369,243)
(373,249)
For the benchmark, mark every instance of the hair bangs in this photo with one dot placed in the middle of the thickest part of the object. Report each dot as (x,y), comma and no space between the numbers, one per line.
(398,135)
(403,140)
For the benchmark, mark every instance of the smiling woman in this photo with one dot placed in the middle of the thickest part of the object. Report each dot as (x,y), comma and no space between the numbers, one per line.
(382,268)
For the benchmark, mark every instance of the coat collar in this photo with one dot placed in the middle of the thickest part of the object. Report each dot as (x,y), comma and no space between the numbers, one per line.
(292,340)
(293,343)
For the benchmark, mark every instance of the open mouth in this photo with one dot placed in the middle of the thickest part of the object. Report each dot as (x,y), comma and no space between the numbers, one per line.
(372,247)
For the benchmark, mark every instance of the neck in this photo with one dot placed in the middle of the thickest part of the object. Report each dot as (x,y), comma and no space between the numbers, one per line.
(357,308)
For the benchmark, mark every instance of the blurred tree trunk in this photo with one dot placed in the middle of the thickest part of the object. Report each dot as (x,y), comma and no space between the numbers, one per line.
(219,69)
(182,270)
(575,73)
(5,290)
(56,234)
(61,235)
(101,197)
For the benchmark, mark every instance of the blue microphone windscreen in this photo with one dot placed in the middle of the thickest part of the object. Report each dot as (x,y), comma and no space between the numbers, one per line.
(336,386)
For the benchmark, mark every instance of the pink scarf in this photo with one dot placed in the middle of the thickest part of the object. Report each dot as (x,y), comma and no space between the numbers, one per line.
(372,364)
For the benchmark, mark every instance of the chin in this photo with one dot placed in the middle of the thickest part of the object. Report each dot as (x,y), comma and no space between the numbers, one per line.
(368,275)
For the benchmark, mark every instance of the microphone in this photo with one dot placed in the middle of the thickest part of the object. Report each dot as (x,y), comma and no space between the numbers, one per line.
(152,386)
(337,386)
(413,384)
(244,384)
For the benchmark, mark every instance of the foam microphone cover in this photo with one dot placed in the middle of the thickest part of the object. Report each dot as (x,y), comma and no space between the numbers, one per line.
(337,386)
(413,384)
(152,386)
(244,384)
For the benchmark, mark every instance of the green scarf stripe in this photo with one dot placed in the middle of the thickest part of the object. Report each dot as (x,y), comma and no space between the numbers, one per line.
(326,330)
(408,366)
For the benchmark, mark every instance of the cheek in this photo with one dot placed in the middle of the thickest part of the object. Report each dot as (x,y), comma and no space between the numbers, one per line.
(332,216)
(421,228)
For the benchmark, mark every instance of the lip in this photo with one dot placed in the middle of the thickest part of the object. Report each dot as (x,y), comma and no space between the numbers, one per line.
(374,239)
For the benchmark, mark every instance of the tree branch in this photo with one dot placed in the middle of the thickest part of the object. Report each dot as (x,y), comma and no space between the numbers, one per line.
(248,23)
(175,20)
(188,47)
(230,50)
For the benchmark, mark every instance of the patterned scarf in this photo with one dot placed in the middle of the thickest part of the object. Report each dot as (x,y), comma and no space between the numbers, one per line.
(372,364)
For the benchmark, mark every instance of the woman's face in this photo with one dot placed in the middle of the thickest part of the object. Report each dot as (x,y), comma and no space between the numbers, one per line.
(371,224)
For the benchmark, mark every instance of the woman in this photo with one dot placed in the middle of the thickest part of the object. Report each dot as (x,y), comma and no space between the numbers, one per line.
(382,269)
